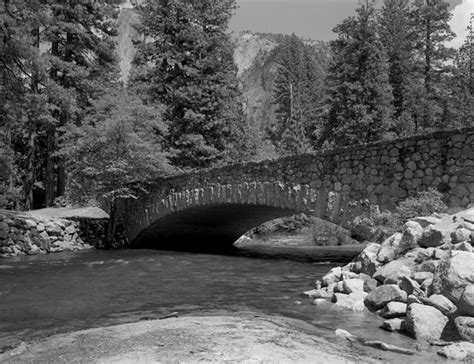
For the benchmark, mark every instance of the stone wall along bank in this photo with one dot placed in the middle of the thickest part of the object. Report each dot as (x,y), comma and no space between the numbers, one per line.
(27,235)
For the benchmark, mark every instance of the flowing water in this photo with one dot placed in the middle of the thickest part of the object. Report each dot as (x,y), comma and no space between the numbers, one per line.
(56,293)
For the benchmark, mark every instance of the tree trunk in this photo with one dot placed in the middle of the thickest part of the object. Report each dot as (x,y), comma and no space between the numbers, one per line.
(49,185)
(32,134)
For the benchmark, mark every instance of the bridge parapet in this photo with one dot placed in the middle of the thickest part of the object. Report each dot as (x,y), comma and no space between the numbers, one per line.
(329,184)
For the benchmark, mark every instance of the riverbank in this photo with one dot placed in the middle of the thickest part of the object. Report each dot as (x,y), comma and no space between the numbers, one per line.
(245,338)
(420,280)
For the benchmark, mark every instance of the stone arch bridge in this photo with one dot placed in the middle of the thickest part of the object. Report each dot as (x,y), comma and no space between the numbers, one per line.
(217,206)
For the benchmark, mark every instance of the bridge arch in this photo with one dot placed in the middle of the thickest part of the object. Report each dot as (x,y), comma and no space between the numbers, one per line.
(215,214)
(334,185)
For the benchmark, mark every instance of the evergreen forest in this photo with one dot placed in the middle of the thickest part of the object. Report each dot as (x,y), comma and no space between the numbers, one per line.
(72,131)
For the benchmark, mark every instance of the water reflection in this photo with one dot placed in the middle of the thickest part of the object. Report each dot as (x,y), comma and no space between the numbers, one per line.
(64,292)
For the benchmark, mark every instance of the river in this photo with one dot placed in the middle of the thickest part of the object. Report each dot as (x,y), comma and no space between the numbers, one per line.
(57,293)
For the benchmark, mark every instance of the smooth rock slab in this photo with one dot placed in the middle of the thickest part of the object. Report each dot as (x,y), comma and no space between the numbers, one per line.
(458,351)
(382,295)
(465,327)
(188,339)
(425,322)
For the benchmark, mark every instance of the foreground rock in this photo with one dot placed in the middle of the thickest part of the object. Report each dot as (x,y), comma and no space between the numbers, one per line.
(425,322)
(425,273)
(382,295)
(454,274)
(395,324)
(188,339)
(465,327)
(458,351)
(466,303)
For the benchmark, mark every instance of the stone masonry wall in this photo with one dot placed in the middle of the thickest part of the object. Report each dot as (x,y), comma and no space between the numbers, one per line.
(27,235)
(330,184)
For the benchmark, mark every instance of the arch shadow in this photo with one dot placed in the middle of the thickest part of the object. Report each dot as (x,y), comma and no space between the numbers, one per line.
(208,228)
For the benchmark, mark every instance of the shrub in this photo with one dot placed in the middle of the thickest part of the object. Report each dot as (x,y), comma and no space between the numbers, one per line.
(376,226)
(424,204)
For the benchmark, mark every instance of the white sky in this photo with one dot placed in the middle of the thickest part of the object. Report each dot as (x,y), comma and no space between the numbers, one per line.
(460,20)
(315,19)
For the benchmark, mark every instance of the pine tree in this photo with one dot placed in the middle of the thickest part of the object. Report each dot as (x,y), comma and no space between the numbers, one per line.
(396,37)
(119,143)
(461,103)
(359,95)
(431,30)
(53,54)
(297,94)
(80,59)
(188,67)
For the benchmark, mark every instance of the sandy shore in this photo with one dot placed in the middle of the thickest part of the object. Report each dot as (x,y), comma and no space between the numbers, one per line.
(242,339)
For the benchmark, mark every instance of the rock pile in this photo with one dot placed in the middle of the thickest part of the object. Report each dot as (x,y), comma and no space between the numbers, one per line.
(21,235)
(421,280)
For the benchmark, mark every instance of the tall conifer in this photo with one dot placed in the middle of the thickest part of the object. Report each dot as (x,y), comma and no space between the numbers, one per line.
(188,66)
(359,94)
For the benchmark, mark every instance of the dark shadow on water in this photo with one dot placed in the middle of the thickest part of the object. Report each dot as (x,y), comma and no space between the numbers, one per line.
(339,254)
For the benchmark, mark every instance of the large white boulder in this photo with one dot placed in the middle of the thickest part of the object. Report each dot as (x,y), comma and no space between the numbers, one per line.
(466,303)
(393,310)
(441,303)
(389,248)
(368,259)
(411,237)
(425,322)
(394,270)
(454,274)
(333,276)
(458,351)
(353,285)
(395,324)
(382,295)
